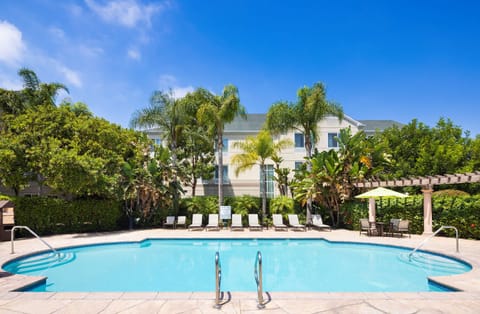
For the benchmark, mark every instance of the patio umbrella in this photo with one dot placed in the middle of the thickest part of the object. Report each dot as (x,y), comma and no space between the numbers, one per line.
(377,193)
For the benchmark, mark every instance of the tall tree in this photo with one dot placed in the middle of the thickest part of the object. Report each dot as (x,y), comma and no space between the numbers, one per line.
(166,113)
(216,111)
(303,115)
(34,93)
(256,151)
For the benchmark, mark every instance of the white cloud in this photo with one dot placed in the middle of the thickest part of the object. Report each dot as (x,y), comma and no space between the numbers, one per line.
(168,82)
(134,54)
(179,92)
(89,51)
(12,46)
(71,76)
(128,13)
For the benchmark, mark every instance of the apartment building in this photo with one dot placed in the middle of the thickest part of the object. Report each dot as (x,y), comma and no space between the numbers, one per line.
(248,182)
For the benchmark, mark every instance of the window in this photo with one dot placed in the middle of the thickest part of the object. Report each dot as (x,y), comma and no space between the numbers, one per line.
(332,140)
(299,140)
(225,145)
(157,141)
(298,165)
(225,174)
(270,182)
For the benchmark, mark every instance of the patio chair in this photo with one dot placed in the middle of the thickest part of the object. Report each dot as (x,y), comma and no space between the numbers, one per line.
(253,222)
(317,222)
(294,224)
(403,226)
(181,221)
(196,222)
(365,226)
(212,222)
(393,226)
(236,222)
(278,222)
(169,222)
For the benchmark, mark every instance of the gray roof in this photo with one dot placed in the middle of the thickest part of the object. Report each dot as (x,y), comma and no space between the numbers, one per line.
(371,126)
(253,123)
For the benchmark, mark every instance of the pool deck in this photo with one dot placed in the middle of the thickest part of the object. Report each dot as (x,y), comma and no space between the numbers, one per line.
(466,301)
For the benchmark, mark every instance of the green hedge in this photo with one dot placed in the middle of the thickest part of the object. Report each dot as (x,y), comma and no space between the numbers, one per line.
(462,212)
(53,216)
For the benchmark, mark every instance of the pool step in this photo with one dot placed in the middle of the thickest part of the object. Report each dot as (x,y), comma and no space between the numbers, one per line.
(431,261)
(43,262)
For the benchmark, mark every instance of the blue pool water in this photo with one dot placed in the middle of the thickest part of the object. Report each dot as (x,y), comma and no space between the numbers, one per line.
(185,265)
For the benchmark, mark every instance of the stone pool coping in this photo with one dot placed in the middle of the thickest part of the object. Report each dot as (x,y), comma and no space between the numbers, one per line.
(468,300)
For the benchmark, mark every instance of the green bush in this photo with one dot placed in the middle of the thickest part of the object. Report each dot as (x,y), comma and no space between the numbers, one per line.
(53,216)
(462,212)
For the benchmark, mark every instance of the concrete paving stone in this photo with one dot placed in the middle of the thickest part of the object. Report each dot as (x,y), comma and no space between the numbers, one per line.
(171,306)
(34,306)
(315,306)
(103,295)
(147,306)
(69,295)
(139,295)
(84,307)
(116,306)
(394,306)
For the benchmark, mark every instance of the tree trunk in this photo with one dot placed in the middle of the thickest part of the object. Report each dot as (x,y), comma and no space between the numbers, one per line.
(264,192)
(308,148)
(220,168)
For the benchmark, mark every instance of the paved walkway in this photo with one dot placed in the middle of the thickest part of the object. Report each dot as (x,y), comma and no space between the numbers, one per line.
(467,301)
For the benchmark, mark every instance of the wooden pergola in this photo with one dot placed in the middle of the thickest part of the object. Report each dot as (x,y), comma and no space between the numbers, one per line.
(427,183)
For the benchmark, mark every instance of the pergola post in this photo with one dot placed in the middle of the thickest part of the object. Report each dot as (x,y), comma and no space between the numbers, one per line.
(427,209)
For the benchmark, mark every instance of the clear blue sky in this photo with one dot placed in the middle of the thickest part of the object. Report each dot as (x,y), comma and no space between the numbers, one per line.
(395,60)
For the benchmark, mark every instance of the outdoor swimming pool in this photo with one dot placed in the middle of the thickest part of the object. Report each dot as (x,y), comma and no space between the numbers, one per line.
(185,265)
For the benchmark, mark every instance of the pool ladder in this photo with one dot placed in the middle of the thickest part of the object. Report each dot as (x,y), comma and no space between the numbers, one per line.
(218,280)
(12,238)
(258,279)
(431,236)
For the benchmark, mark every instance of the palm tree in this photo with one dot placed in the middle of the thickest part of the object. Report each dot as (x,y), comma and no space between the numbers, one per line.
(256,151)
(33,94)
(304,115)
(216,111)
(167,113)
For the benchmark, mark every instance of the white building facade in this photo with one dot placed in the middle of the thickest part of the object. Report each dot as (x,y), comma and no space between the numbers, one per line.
(248,182)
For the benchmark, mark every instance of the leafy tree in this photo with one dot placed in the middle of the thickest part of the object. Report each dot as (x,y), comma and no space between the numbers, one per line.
(197,153)
(167,113)
(281,175)
(256,151)
(215,112)
(304,115)
(330,181)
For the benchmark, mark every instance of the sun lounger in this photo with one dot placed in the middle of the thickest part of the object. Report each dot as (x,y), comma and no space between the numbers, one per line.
(196,222)
(212,222)
(294,224)
(236,222)
(253,222)
(169,222)
(278,222)
(181,221)
(317,222)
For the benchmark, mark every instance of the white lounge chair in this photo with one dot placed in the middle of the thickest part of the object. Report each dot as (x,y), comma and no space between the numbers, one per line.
(212,222)
(236,222)
(253,222)
(317,222)
(294,224)
(181,221)
(196,222)
(169,222)
(278,222)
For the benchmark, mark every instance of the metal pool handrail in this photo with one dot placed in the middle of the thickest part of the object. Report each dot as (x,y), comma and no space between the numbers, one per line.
(431,236)
(218,279)
(258,279)
(12,238)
